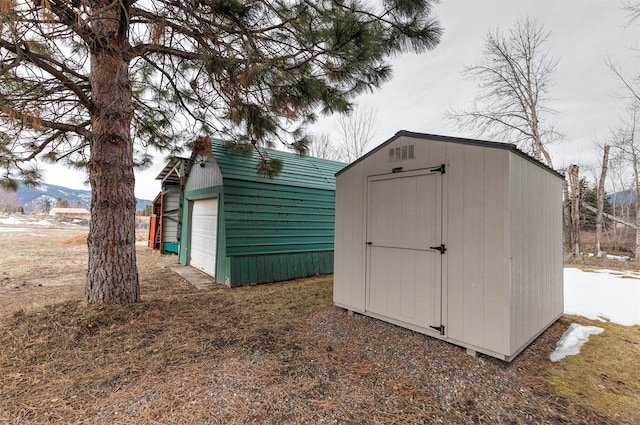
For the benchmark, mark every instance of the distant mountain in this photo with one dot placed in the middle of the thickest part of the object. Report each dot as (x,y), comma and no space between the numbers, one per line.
(623,197)
(34,199)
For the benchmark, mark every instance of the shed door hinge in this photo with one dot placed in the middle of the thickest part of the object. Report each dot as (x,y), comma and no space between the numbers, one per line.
(441,169)
(442,248)
(439,329)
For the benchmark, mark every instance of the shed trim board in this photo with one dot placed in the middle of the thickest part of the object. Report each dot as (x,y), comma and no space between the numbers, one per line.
(501,224)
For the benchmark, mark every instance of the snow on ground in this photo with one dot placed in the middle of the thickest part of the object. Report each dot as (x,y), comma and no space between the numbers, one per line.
(13,220)
(572,340)
(10,220)
(604,295)
(41,223)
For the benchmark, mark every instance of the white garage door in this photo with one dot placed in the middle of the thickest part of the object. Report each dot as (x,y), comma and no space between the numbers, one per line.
(204,232)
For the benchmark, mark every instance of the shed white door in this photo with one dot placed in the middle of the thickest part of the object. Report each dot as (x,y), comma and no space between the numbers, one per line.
(404,274)
(204,233)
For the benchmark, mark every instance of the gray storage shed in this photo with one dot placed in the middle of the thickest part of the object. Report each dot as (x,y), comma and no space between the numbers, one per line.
(455,238)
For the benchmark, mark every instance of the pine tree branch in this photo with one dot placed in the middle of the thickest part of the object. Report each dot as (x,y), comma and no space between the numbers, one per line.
(47,64)
(80,129)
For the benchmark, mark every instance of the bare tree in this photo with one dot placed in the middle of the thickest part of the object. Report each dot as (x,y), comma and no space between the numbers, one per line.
(566,215)
(600,199)
(356,133)
(351,138)
(514,81)
(620,186)
(323,147)
(574,185)
(627,143)
(631,84)
(8,200)
(633,8)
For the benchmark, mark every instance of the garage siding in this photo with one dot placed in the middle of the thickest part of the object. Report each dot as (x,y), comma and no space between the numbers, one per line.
(269,229)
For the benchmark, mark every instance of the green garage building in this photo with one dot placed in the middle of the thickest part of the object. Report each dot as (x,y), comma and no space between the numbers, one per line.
(244,229)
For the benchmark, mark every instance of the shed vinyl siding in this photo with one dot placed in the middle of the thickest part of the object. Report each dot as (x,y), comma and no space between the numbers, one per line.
(536,246)
(252,269)
(476,233)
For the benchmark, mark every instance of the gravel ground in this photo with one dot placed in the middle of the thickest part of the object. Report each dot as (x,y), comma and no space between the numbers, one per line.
(339,369)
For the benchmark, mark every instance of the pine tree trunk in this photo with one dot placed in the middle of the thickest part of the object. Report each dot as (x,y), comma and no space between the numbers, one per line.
(112,275)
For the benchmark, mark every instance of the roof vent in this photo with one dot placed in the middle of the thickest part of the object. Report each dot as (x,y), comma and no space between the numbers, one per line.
(401,153)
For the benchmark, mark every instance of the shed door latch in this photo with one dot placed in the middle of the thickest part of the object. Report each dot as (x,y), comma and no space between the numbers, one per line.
(441,169)
(442,248)
(439,329)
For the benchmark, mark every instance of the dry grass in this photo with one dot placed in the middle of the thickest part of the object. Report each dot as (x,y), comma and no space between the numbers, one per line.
(605,376)
(274,353)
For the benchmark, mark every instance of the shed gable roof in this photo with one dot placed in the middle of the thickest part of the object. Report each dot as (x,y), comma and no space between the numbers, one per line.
(300,171)
(448,139)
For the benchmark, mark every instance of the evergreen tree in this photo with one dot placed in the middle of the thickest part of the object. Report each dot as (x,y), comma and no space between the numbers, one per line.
(94,83)
(588,195)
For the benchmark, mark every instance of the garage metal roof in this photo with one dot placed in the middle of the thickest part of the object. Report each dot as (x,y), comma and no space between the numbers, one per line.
(299,171)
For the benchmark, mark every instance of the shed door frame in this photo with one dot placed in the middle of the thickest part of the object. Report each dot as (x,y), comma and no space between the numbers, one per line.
(413,252)
(205,261)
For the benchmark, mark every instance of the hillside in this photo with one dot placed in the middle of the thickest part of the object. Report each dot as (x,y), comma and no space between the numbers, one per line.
(34,199)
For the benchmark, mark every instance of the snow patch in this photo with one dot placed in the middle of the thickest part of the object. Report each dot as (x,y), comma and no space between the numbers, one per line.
(614,296)
(618,257)
(41,223)
(572,340)
(12,229)
(10,220)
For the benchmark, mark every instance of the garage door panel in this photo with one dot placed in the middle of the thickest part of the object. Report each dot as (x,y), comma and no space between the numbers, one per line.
(203,235)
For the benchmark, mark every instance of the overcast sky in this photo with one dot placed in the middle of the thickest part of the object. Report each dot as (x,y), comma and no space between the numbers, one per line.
(583,33)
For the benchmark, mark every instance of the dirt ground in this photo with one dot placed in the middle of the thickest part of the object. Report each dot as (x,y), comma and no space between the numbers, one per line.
(29,280)
(43,261)
(277,354)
